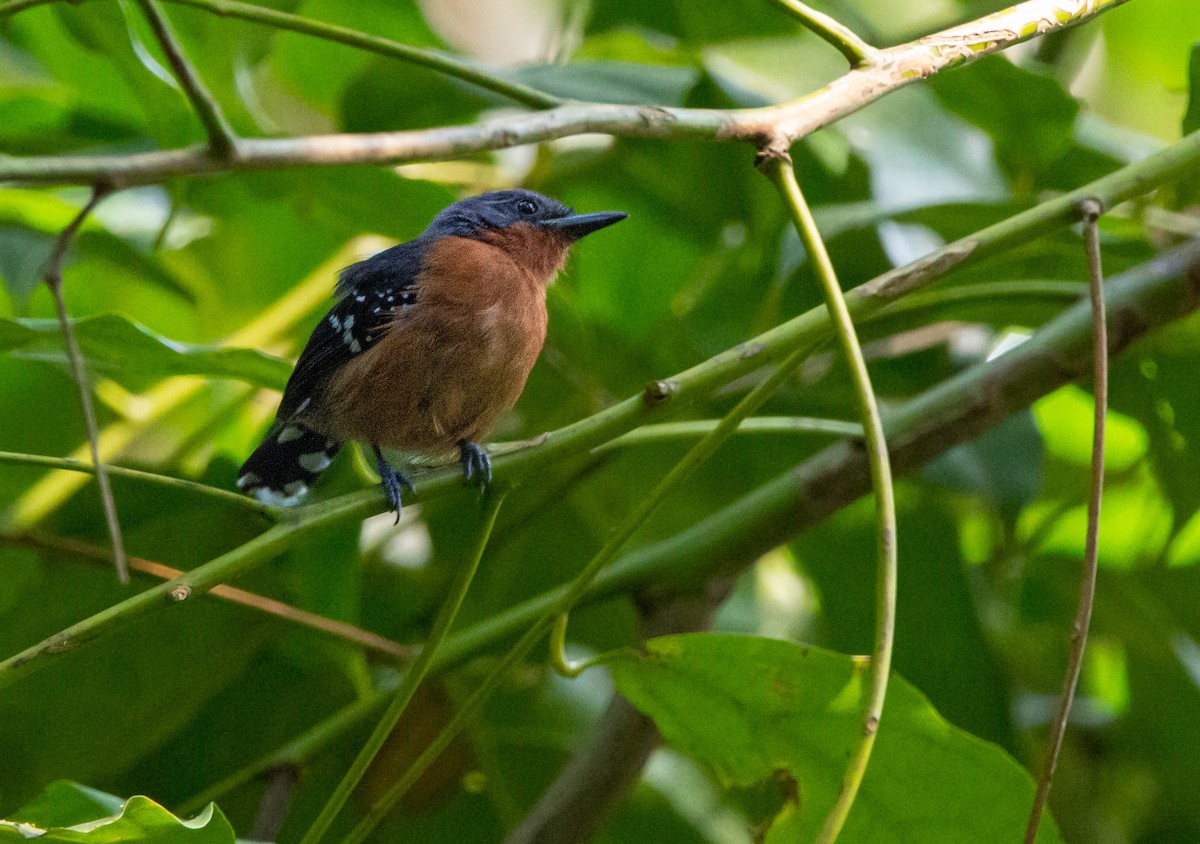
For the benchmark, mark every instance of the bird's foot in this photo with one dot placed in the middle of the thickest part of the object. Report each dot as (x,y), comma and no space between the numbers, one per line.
(477,466)
(394,482)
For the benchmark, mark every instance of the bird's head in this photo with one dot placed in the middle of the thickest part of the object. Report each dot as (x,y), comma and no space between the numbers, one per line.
(534,229)
(478,216)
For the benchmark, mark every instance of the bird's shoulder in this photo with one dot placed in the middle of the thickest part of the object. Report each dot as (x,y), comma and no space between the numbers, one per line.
(370,295)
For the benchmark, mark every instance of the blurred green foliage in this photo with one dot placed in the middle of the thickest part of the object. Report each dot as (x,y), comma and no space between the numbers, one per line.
(162,279)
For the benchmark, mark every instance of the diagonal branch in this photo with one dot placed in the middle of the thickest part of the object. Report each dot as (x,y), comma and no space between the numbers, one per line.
(857,51)
(1142,299)
(812,326)
(79,375)
(1090,209)
(775,127)
(432,59)
(269,606)
(221,139)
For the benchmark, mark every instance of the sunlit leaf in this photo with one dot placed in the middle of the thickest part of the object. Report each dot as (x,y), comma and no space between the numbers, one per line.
(140,820)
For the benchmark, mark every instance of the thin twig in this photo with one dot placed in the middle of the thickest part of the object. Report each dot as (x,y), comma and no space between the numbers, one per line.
(79,375)
(415,674)
(782,125)
(432,59)
(669,431)
(857,51)
(961,415)
(276,800)
(329,626)
(1090,210)
(69,464)
(607,763)
(780,171)
(221,138)
(578,587)
(729,540)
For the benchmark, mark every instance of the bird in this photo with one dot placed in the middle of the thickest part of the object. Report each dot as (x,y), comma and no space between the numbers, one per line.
(427,344)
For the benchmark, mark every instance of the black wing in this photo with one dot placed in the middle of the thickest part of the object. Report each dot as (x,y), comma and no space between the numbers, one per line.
(370,291)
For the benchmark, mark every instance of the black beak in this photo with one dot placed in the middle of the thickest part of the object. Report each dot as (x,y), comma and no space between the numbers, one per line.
(577,225)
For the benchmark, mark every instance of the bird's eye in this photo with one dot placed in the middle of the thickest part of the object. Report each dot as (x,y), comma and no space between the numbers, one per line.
(526,207)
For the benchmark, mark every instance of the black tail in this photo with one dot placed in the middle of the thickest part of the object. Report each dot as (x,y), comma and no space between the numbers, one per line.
(281,470)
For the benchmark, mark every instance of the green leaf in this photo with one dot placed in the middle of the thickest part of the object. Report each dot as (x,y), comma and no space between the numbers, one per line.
(140,820)
(64,803)
(135,356)
(1029,116)
(613,81)
(755,709)
(1191,119)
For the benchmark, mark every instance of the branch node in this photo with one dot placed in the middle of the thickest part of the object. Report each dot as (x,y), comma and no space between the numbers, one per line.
(773,149)
(181,593)
(657,392)
(1090,208)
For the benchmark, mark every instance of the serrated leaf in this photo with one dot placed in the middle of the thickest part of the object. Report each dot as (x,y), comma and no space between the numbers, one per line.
(135,356)
(140,820)
(754,709)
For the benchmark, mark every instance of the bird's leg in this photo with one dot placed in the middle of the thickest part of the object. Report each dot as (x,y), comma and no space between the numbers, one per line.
(477,466)
(394,482)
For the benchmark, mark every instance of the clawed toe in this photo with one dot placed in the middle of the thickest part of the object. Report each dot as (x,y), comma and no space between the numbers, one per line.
(394,483)
(477,466)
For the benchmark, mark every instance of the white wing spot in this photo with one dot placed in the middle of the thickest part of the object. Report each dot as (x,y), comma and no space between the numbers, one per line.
(248,479)
(291,432)
(314,462)
(335,322)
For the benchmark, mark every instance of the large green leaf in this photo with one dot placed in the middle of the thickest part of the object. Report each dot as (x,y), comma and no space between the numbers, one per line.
(140,819)
(135,356)
(755,709)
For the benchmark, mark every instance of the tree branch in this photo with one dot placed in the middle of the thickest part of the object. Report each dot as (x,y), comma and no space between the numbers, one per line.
(222,141)
(1090,210)
(269,606)
(54,281)
(775,128)
(415,673)
(608,763)
(68,464)
(731,539)
(432,59)
(780,171)
(809,328)
(857,51)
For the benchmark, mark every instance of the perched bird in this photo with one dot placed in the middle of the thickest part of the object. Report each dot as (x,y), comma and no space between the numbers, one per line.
(428,344)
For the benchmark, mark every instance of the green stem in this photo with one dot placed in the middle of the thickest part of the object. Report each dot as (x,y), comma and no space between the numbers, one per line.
(442,63)
(734,537)
(809,328)
(578,587)
(857,51)
(670,431)
(70,465)
(780,171)
(413,677)
(221,138)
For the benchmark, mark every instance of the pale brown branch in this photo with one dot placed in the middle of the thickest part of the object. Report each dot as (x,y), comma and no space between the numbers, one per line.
(1090,209)
(79,375)
(332,627)
(774,128)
